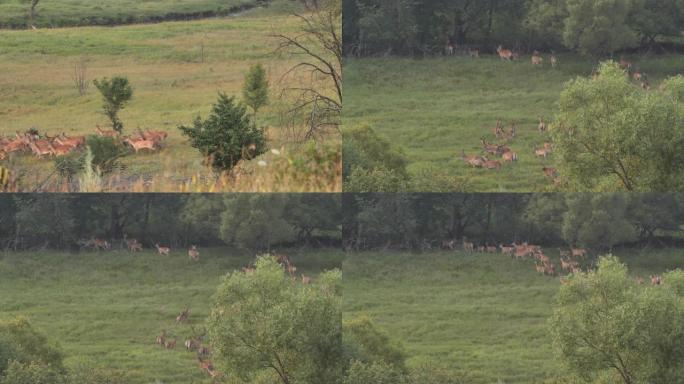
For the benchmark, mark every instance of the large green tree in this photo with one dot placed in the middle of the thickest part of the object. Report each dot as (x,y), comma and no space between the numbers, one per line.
(612,135)
(606,327)
(265,325)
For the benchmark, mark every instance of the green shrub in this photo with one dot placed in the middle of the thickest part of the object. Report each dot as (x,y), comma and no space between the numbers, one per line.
(32,373)
(116,93)
(227,136)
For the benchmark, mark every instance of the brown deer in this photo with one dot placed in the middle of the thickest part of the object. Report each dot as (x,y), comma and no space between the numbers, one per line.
(192,344)
(474,161)
(578,252)
(468,247)
(625,64)
(306,279)
(509,156)
(161,339)
(537,60)
(506,250)
(193,253)
(291,269)
(492,164)
(170,344)
(40,148)
(138,145)
(208,366)
(247,269)
(133,245)
(498,129)
(474,53)
(656,280)
(183,315)
(549,269)
(542,127)
(550,172)
(541,152)
(490,148)
(106,132)
(639,280)
(554,61)
(539,268)
(162,250)
(504,54)
(448,244)
(491,249)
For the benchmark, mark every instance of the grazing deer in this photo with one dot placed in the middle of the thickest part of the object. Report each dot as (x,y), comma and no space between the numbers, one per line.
(491,249)
(509,156)
(624,64)
(183,315)
(537,60)
(656,279)
(162,250)
(542,127)
(492,164)
(306,279)
(170,344)
(138,145)
(132,244)
(578,252)
(468,247)
(554,61)
(506,250)
(208,366)
(193,253)
(550,172)
(504,54)
(541,152)
(106,132)
(191,344)
(549,269)
(161,339)
(639,280)
(474,161)
(448,244)
(539,268)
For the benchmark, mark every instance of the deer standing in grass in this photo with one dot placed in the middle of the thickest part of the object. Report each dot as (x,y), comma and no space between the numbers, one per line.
(139,145)
(504,54)
(193,253)
(162,250)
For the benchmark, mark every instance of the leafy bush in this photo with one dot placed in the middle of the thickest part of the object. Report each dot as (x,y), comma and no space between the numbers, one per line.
(105,151)
(363,148)
(255,89)
(227,136)
(116,92)
(32,373)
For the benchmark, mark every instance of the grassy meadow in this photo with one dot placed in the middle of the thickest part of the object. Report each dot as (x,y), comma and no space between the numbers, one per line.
(436,107)
(483,315)
(106,308)
(13,13)
(177,70)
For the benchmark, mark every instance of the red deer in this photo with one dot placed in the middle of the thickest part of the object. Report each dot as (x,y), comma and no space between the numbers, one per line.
(306,279)
(492,164)
(291,269)
(474,53)
(450,48)
(645,85)
(96,244)
(539,268)
(193,253)
(203,351)
(542,127)
(208,366)
(550,172)
(656,280)
(509,156)
(637,76)
(161,339)
(162,250)
(141,144)
(192,344)
(624,64)
(481,249)
(40,148)
(247,269)
(170,344)
(506,250)
(468,247)
(74,142)
(183,316)
(283,259)
(578,252)
(498,129)
(491,249)
(549,269)
(106,132)
(548,146)
(543,258)
(554,61)
(639,280)
(564,280)
(504,54)
(541,152)
(448,244)
(474,161)
(537,59)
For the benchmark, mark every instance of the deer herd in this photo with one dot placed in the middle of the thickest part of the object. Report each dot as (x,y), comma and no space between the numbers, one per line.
(44,145)
(133,245)
(570,260)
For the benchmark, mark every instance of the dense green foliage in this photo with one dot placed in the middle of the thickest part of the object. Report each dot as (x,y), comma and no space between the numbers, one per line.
(596,27)
(606,325)
(116,93)
(264,325)
(227,136)
(610,134)
(420,221)
(255,88)
(60,221)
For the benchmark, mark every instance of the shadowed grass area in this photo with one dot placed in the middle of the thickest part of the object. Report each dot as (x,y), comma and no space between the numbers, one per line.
(481,314)
(436,107)
(107,307)
(176,69)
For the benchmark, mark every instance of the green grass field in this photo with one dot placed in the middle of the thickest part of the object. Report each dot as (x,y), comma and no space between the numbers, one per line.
(436,107)
(172,86)
(13,13)
(483,315)
(106,308)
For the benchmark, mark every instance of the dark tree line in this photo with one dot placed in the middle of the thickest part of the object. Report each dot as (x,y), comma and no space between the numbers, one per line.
(251,221)
(598,221)
(597,27)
